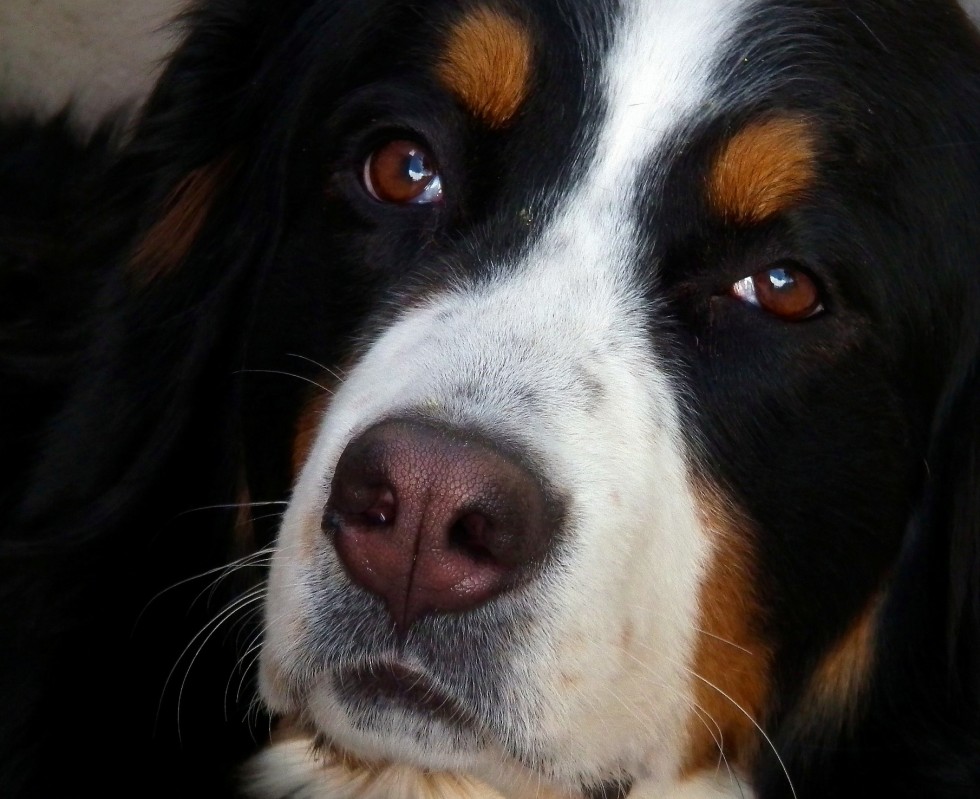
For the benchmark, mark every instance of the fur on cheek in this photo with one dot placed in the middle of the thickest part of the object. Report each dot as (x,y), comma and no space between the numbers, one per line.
(295,769)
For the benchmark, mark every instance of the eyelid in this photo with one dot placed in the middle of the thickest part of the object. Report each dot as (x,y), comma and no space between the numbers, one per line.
(432,192)
(744,289)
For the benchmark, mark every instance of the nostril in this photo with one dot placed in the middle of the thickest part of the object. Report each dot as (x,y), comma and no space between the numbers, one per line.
(470,534)
(361,506)
(380,507)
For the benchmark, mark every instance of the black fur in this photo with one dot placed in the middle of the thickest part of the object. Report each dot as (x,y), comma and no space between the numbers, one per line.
(127,406)
(47,173)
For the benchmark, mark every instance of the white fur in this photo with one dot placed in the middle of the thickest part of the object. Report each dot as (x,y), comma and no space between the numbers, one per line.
(700,786)
(567,313)
(289,768)
(98,54)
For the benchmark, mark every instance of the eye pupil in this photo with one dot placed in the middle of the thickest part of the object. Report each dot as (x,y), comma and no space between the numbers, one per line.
(402,172)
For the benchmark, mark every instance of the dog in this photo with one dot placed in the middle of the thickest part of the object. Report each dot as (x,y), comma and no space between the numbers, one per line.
(614,367)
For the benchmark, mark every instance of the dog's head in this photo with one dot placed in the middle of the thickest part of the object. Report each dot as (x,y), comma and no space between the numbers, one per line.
(645,342)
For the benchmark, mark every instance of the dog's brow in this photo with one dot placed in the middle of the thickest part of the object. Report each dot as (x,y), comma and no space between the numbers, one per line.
(763,169)
(486,64)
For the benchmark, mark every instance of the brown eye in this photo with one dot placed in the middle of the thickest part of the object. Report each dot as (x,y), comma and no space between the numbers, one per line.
(784,290)
(402,172)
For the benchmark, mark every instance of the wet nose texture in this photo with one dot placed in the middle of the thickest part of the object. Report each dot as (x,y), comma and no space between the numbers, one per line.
(433,519)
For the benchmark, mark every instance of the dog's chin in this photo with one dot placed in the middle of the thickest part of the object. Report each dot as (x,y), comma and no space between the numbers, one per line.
(370,690)
(386,729)
(393,711)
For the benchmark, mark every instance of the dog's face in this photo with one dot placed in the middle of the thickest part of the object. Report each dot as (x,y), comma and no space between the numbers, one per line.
(653,304)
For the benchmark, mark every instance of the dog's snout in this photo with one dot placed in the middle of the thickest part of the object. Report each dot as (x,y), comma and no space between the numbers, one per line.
(433,519)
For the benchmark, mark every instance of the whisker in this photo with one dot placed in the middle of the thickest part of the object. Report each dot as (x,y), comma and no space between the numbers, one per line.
(254,649)
(755,724)
(227,572)
(698,630)
(240,666)
(240,605)
(252,559)
(735,704)
(285,374)
(268,516)
(334,373)
(747,715)
(718,638)
(717,734)
(229,611)
(232,506)
(252,715)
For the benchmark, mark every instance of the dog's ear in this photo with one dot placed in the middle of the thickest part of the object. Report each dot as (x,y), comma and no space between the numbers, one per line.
(954,465)
(951,511)
(95,599)
(933,625)
(155,325)
(195,205)
(929,648)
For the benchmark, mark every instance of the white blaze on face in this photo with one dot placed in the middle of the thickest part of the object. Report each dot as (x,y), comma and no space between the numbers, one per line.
(554,356)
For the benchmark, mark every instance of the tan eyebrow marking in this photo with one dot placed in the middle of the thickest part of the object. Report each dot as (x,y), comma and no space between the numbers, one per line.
(486,64)
(763,170)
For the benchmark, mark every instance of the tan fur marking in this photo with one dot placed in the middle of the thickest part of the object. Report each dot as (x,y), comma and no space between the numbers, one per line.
(168,242)
(244,538)
(307,427)
(764,169)
(841,679)
(291,728)
(731,662)
(486,64)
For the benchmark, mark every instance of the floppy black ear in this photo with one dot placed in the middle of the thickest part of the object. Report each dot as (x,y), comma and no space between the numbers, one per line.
(148,431)
(190,214)
(945,536)
(46,171)
(168,285)
(955,494)
(195,204)
(929,683)
(924,710)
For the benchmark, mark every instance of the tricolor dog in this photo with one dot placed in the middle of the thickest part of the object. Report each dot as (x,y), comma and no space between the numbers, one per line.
(614,365)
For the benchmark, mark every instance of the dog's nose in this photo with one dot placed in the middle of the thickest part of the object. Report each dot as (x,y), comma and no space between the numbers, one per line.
(433,519)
